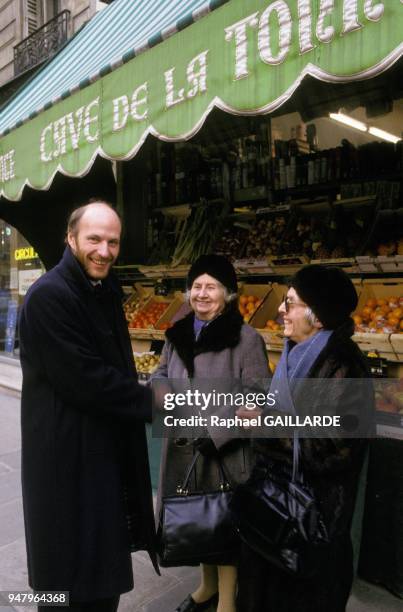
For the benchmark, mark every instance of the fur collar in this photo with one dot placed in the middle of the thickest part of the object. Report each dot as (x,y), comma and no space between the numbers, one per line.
(224,332)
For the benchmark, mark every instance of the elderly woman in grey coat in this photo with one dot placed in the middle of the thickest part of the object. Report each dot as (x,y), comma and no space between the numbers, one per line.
(212,342)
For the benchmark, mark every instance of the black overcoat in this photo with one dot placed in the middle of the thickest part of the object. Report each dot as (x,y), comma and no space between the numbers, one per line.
(85,474)
(333,468)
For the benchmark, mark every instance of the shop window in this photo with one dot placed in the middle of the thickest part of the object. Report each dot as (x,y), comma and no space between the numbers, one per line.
(20,266)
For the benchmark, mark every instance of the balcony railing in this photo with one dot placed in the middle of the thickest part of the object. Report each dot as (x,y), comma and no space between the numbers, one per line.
(42,43)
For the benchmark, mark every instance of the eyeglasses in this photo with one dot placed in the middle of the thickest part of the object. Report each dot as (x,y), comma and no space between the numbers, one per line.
(288,303)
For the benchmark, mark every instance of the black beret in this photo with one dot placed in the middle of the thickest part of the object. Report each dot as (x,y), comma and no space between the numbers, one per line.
(328,291)
(216,266)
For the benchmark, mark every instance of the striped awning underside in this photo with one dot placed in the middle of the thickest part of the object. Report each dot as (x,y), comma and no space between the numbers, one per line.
(114,36)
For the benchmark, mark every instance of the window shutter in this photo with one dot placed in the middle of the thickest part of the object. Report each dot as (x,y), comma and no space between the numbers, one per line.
(33,15)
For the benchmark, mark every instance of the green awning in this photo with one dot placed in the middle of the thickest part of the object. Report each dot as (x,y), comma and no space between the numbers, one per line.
(125,75)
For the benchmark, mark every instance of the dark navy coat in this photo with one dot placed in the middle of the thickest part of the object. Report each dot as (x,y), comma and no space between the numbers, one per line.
(85,474)
(333,467)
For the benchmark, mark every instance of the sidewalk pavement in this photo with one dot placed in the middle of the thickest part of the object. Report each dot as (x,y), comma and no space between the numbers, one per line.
(151,593)
(10,374)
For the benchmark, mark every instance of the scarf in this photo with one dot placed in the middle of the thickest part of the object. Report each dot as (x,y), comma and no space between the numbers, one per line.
(296,362)
(198,325)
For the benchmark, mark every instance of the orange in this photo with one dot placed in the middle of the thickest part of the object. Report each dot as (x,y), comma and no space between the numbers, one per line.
(393,322)
(250,307)
(252,299)
(243,299)
(381,302)
(398,313)
(366,313)
(376,315)
(385,309)
(357,319)
(371,303)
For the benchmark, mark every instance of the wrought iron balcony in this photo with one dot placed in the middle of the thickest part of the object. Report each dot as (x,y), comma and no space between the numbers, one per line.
(42,43)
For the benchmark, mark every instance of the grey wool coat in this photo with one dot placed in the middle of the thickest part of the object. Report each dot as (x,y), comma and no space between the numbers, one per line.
(226,349)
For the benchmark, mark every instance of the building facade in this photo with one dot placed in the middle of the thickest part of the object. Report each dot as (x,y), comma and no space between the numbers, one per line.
(32,30)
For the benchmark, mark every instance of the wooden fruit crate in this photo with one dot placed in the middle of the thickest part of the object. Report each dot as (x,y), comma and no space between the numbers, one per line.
(269,310)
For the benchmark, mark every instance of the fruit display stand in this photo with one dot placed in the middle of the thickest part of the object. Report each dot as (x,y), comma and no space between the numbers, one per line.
(251,298)
(253,266)
(393,263)
(378,316)
(397,344)
(136,300)
(153,318)
(146,364)
(287,265)
(348,264)
(272,334)
(177,309)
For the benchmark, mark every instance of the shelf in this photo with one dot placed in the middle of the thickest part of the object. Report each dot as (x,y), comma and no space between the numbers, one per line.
(182,210)
(273,210)
(307,189)
(368,200)
(178,210)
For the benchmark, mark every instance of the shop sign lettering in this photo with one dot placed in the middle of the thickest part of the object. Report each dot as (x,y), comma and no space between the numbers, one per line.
(280,29)
(196,74)
(135,107)
(7,166)
(274,52)
(25,254)
(69,131)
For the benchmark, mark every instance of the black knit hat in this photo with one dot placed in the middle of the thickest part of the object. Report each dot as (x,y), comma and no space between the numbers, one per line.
(328,292)
(216,266)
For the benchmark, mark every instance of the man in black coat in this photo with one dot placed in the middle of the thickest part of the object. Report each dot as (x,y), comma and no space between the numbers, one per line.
(85,474)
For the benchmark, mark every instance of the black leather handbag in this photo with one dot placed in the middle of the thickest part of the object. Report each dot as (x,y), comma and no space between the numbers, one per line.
(196,527)
(278,516)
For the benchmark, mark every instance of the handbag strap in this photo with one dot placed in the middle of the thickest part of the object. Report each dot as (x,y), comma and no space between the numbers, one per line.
(224,484)
(296,450)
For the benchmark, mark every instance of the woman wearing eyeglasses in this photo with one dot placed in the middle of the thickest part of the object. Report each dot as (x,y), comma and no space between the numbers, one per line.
(318,345)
